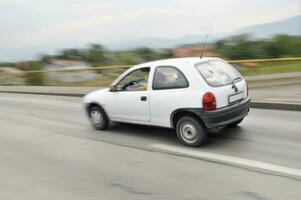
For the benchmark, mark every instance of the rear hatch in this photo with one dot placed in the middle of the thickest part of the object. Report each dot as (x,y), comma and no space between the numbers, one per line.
(224,81)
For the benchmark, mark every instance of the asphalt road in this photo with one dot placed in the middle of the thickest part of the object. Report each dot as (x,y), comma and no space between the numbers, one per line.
(48,150)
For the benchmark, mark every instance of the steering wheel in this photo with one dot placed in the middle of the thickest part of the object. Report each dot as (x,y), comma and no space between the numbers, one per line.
(130,83)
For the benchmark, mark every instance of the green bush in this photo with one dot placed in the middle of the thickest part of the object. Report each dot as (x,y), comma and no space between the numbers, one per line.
(35,79)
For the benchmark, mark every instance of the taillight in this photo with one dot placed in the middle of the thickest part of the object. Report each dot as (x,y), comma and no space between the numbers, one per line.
(209,102)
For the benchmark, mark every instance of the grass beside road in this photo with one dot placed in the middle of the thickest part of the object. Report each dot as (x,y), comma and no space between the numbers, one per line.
(102,82)
(271,68)
(108,77)
(265,68)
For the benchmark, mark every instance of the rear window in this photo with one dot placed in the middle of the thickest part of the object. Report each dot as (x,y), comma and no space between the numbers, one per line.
(218,73)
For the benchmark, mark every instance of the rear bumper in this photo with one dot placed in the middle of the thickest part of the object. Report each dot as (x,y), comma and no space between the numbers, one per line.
(227,115)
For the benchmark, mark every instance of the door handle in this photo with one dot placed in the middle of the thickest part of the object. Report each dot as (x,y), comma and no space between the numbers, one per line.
(143,98)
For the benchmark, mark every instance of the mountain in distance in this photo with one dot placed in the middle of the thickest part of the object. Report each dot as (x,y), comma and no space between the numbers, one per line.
(289,26)
(159,42)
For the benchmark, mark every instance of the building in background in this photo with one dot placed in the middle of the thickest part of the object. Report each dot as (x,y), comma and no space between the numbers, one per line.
(11,76)
(193,50)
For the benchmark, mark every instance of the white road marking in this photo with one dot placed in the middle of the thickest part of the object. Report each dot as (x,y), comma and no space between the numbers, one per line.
(228,159)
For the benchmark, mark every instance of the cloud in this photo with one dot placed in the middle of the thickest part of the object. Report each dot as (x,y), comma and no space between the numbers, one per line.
(77,22)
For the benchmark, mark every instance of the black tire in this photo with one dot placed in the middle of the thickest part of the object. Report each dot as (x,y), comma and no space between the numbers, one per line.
(100,123)
(235,123)
(191,131)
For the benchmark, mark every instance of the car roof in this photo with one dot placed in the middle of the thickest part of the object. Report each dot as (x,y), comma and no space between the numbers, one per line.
(171,61)
(189,60)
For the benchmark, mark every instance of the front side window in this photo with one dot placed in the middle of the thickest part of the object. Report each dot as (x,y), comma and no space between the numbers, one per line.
(218,73)
(168,77)
(134,81)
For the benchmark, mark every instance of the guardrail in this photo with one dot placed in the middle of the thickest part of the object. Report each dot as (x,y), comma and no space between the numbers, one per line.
(41,77)
(265,60)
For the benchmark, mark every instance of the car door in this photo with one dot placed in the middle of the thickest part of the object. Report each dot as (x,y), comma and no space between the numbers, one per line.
(169,92)
(129,100)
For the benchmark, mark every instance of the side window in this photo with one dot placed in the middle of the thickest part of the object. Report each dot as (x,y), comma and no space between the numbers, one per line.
(135,81)
(168,77)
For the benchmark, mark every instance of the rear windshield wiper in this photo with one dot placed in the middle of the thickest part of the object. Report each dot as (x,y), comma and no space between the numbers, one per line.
(236,79)
(233,83)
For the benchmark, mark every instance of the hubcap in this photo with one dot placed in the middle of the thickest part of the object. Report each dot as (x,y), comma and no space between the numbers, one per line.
(188,132)
(96,117)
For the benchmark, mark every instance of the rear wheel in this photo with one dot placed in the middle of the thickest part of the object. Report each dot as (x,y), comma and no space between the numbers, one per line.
(98,118)
(191,131)
(235,123)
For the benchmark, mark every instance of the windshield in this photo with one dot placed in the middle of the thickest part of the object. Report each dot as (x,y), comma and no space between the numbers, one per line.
(218,73)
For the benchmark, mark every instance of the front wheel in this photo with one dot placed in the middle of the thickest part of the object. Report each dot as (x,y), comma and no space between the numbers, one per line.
(191,131)
(98,117)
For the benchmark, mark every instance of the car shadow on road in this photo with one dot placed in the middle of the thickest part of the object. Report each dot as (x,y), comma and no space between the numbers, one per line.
(217,137)
(156,134)
(225,136)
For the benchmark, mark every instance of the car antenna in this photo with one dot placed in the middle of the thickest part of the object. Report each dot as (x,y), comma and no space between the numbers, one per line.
(204,45)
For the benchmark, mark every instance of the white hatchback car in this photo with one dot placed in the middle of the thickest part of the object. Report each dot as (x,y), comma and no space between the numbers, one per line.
(188,94)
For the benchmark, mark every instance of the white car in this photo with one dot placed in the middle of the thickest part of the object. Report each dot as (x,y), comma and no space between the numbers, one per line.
(190,95)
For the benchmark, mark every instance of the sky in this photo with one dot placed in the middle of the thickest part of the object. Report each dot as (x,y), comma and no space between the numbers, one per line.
(31,27)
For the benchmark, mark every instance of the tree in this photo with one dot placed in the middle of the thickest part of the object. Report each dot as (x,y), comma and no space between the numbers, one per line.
(283,45)
(245,47)
(71,54)
(145,54)
(95,54)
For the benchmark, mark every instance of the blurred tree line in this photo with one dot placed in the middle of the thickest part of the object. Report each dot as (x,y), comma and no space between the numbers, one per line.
(234,48)
(237,47)
(98,55)
(245,47)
